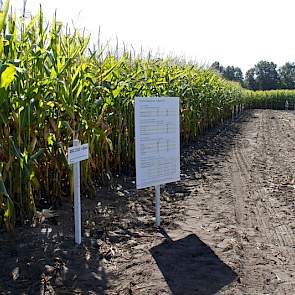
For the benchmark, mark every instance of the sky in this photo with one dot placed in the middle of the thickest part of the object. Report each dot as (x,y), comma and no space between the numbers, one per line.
(233,32)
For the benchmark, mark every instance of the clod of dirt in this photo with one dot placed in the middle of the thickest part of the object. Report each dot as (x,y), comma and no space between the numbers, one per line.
(49,269)
(15,273)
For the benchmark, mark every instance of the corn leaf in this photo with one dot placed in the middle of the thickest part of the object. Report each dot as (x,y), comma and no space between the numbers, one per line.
(7,76)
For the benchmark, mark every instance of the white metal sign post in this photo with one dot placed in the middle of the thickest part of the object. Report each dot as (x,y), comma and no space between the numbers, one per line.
(157,143)
(158,204)
(76,154)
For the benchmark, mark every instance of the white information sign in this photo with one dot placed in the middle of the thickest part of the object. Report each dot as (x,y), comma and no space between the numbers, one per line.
(78,153)
(157,140)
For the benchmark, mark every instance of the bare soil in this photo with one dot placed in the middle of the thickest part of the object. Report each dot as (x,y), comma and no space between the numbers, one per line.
(227,227)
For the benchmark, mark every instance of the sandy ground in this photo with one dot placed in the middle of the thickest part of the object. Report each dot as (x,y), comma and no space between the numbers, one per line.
(227,227)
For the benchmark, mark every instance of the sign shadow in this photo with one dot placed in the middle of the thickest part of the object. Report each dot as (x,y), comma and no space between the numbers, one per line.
(190,267)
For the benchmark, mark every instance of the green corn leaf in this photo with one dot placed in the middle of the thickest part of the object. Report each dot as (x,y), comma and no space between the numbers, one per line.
(3,15)
(15,148)
(3,190)
(62,154)
(1,45)
(51,139)
(7,76)
(37,154)
(9,213)
(66,125)
(110,144)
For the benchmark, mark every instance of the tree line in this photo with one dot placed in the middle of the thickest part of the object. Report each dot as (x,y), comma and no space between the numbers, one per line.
(263,76)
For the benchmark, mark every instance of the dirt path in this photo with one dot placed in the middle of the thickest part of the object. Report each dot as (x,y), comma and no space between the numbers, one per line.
(228,226)
(240,207)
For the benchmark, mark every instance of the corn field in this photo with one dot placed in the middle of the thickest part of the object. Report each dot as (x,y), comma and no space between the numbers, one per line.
(54,89)
(272,99)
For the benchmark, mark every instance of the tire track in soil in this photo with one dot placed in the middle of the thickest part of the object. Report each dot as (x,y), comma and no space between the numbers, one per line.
(238,179)
(263,203)
(284,230)
(244,178)
(247,177)
(283,146)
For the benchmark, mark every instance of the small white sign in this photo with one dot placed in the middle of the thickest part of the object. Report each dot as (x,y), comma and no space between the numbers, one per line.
(78,153)
(157,140)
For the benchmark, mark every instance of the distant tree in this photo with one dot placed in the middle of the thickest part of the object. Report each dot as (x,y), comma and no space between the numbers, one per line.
(250,81)
(230,72)
(287,75)
(217,67)
(233,74)
(266,75)
(238,75)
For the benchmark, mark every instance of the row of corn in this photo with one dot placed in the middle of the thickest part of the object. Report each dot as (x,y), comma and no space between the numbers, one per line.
(272,99)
